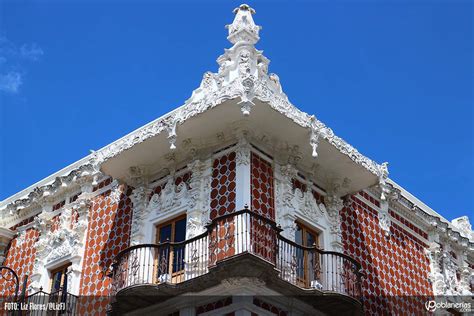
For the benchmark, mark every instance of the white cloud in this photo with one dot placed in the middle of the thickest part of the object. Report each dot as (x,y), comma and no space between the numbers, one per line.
(32,51)
(10,82)
(12,63)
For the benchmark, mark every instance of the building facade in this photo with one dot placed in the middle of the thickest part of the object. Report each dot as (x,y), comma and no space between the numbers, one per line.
(235,203)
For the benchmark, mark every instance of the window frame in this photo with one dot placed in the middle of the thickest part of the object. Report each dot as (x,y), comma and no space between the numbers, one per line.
(175,275)
(305,279)
(62,268)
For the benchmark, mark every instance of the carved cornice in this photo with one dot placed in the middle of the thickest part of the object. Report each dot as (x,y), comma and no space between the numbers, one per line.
(243,74)
(42,197)
(398,202)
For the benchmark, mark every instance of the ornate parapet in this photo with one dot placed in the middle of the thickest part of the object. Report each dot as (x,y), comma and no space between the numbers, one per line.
(465,228)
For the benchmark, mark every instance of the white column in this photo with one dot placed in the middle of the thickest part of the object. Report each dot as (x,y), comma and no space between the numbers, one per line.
(242,180)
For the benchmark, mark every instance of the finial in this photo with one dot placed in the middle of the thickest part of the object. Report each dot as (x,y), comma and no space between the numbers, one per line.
(243,29)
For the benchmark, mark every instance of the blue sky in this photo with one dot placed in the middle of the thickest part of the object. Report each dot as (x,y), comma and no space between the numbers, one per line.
(393,78)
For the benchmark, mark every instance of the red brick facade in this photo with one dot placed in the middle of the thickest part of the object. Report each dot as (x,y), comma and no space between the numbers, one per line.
(262,187)
(20,257)
(223,186)
(396,266)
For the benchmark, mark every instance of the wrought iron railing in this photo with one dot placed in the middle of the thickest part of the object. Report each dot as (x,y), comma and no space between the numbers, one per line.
(231,235)
(55,303)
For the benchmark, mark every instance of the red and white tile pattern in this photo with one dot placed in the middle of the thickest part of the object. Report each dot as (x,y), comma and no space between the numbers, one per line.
(108,234)
(262,187)
(223,191)
(20,257)
(396,267)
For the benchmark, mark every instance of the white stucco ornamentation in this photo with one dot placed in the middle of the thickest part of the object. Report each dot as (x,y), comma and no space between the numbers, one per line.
(436,277)
(334,205)
(464,226)
(20,236)
(140,213)
(115,193)
(243,74)
(63,244)
(199,197)
(314,139)
(284,200)
(449,275)
(36,198)
(387,194)
(172,196)
(307,204)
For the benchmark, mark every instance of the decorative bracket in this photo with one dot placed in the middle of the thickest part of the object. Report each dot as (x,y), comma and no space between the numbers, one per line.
(314,139)
(172,136)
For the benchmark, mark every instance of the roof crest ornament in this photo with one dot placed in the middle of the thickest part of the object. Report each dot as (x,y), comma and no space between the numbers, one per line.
(243,28)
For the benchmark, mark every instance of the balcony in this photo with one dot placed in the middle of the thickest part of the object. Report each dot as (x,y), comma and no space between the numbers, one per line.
(230,245)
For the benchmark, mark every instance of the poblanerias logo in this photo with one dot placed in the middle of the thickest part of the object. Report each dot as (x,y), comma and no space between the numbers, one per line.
(432,306)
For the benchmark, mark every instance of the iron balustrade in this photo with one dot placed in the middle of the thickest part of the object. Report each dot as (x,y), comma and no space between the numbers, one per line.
(231,235)
(56,303)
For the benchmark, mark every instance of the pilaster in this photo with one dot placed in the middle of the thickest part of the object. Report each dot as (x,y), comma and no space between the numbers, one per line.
(199,197)
(243,170)
(285,207)
(334,205)
(139,200)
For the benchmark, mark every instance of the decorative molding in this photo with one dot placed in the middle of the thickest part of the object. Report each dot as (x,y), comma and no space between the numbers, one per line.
(199,197)
(444,272)
(139,200)
(172,196)
(194,198)
(334,205)
(387,194)
(284,199)
(243,73)
(243,150)
(307,204)
(462,223)
(42,197)
(314,139)
(66,241)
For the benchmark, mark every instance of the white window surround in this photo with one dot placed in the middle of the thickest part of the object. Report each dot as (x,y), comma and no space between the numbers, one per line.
(160,207)
(64,245)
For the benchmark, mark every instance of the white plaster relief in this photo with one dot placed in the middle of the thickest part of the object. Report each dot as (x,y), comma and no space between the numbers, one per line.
(65,244)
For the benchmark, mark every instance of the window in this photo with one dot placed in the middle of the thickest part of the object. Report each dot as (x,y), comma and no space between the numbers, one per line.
(308,262)
(306,236)
(58,277)
(170,259)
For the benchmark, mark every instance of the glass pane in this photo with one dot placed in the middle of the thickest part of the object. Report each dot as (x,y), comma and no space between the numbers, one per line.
(310,239)
(178,251)
(56,284)
(299,235)
(165,233)
(180,230)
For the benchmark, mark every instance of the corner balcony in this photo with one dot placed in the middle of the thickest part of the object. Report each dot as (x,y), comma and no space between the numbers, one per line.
(148,274)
